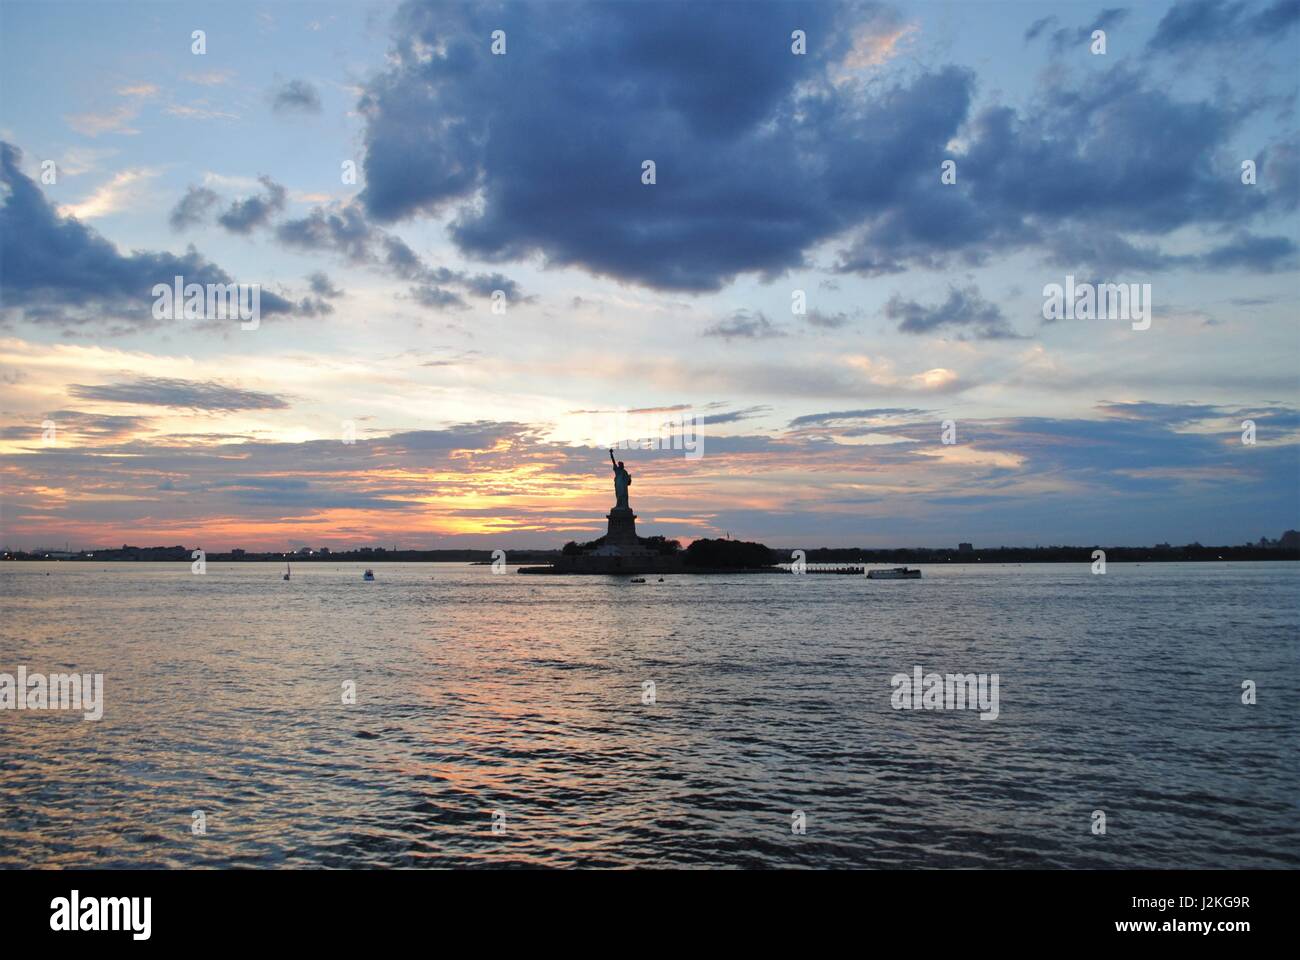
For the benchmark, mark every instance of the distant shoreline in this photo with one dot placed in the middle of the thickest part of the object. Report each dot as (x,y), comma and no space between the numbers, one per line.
(1192,553)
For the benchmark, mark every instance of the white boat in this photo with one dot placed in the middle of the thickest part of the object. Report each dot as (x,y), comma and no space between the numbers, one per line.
(894,573)
(368,575)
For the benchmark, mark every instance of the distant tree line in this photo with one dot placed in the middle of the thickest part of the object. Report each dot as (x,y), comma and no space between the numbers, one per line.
(1192,552)
(366,554)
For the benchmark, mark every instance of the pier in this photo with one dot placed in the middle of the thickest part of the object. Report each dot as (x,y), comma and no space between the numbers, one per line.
(859,569)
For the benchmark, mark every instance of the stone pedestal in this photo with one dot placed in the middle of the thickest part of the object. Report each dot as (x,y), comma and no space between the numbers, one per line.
(622,527)
(621,553)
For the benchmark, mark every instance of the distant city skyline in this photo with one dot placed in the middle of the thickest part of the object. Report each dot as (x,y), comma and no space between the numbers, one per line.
(468,290)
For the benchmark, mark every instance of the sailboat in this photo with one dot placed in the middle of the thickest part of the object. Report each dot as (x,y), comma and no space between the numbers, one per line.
(286,571)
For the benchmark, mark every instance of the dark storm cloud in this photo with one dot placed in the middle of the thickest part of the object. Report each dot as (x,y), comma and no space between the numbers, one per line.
(1260,254)
(252,212)
(671,408)
(291,493)
(1065,37)
(1103,449)
(734,416)
(168,392)
(1111,254)
(313,307)
(192,208)
(1082,168)
(317,302)
(561,168)
(744,325)
(848,416)
(827,321)
(437,298)
(1107,254)
(295,95)
(342,230)
(964,309)
(1139,448)
(346,231)
(58,270)
(1195,24)
(322,286)
(1276,416)
(1279,16)
(476,435)
(761,156)
(1172,414)
(74,423)
(485,284)
(1037,28)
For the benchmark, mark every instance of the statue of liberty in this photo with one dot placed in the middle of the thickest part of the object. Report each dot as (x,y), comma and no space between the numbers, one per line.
(622,480)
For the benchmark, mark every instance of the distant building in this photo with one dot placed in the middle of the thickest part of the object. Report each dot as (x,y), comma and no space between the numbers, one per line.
(236,552)
(324,551)
(965,548)
(1290,540)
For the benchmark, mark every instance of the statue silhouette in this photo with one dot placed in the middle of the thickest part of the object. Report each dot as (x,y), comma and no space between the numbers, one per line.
(622,480)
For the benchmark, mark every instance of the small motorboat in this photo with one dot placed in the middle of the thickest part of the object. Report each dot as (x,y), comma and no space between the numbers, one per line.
(286,571)
(894,573)
(368,575)
(638,579)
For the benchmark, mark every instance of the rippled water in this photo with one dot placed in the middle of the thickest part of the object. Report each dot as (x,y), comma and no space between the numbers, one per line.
(482,694)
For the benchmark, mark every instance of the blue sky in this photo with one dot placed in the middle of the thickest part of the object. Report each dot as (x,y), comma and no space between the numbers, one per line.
(775,173)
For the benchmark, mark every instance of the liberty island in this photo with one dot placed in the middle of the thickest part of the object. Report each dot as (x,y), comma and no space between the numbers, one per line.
(621,551)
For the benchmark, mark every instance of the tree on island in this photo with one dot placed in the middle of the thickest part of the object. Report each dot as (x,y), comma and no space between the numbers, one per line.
(659,544)
(732,554)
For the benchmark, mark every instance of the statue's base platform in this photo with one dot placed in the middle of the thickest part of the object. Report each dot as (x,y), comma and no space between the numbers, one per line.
(626,566)
(622,528)
(620,551)
(615,564)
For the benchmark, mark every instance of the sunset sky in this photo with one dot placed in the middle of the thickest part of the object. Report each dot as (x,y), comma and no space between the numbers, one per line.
(628,303)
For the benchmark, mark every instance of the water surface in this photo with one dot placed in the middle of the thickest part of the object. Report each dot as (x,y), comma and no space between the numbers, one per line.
(522,697)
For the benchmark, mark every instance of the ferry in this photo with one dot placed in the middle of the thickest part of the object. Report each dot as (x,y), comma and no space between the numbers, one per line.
(896,573)
(368,575)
